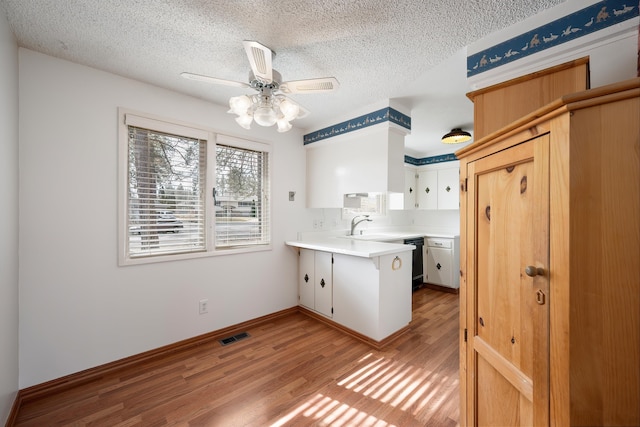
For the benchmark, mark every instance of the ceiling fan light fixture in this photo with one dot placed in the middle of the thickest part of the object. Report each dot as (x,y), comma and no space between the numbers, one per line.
(456,136)
(269,106)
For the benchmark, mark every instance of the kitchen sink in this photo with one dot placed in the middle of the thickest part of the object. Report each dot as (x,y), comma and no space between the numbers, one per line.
(380,237)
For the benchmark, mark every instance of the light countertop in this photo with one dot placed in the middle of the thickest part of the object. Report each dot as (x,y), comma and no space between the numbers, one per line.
(369,244)
(348,246)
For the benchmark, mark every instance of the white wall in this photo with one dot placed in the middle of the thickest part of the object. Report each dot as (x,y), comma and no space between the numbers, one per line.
(78,309)
(8,219)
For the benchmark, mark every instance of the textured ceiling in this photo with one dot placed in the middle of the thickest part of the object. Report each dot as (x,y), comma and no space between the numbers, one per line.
(378,50)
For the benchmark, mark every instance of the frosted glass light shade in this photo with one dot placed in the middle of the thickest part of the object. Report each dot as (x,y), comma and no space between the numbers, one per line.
(244,120)
(289,109)
(239,104)
(283,125)
(265,116)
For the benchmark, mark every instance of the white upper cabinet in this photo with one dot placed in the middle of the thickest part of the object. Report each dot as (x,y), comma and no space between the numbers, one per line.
(448,188)
(437,187)
(370,162)
(410,187)
(427,189)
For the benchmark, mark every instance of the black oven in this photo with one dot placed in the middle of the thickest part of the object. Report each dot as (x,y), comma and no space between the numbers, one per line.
(417,273)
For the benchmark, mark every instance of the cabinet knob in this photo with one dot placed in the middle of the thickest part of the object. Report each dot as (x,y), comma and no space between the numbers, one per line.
(438,266)
(306,277)
(448,188)
(427,190)
(322,282)
(532,271)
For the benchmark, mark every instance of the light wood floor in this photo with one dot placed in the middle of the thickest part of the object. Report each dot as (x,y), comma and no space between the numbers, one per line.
(293,371)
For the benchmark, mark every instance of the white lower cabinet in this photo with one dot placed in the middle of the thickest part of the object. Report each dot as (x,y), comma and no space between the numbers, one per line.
(441,261)
(370,296)
(315,281)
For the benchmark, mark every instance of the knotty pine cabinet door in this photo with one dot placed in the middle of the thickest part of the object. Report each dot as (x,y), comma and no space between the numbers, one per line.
(507,373)
(589,292)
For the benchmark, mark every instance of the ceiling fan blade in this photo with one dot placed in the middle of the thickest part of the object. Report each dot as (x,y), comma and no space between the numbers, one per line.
(214,80)
(325,84)
(260,58)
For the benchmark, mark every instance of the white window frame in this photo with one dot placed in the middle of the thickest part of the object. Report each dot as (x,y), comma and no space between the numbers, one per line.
(353,205)
(128,117)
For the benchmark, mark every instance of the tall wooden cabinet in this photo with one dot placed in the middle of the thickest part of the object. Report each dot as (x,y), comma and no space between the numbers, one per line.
(498,105)
(550,265)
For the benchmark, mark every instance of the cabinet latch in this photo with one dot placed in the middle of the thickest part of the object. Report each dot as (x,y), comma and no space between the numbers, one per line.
(463,186)
(465,334)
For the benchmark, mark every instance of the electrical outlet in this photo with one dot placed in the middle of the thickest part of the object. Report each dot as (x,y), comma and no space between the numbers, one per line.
(203,306)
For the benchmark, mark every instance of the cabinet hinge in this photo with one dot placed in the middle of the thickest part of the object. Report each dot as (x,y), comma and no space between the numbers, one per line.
(465,334)
(331,310)
(331,259)
(463,186)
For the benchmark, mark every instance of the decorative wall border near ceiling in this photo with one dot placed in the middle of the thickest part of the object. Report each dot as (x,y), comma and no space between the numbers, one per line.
(577,24)
(386,114)
(430,160)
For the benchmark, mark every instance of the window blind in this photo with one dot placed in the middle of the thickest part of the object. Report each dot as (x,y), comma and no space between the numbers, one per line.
(241,197)
(166,203)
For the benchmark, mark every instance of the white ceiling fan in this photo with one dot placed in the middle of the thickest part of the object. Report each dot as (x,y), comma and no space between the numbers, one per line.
(269,106)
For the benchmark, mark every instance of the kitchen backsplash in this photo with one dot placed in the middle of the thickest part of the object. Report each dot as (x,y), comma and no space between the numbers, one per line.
(327,220)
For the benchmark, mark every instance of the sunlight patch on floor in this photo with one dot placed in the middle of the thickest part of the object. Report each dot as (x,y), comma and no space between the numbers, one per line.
(400,385)
(331,412)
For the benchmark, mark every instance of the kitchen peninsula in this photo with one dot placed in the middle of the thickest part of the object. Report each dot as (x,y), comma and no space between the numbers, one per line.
(358,286)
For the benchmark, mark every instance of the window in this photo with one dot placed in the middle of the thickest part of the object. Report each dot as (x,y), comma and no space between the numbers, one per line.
(171,208)
(240,196)
(374,204)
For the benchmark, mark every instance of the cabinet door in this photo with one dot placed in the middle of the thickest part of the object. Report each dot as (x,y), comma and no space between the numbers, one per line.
(306,281)
(439,266)
(324,283)
(410,183)
(428,189)
(507,308)
(448,189)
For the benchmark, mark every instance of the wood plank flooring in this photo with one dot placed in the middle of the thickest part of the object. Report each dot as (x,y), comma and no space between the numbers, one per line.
(293,371)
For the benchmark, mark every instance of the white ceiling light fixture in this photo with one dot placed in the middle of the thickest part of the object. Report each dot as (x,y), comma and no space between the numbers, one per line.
(269,106)
(456,136)
(266,108)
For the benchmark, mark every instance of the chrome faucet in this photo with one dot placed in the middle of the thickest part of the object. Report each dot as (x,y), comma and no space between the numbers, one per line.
(354,223)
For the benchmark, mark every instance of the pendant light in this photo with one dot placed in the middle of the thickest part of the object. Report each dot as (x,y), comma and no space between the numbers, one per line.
(456,136)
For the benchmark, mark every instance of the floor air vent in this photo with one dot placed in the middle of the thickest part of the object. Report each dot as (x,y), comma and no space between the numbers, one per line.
(237,337)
